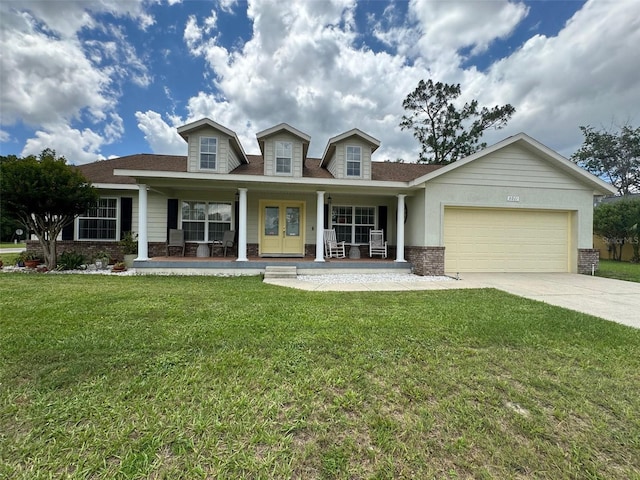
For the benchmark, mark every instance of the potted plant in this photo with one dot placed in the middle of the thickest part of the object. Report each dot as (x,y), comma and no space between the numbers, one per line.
(119,267)
(102,260)
(31,260)
(129,244)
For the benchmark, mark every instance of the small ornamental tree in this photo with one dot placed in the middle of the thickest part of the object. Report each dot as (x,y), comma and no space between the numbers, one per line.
(45,194)
(445,132)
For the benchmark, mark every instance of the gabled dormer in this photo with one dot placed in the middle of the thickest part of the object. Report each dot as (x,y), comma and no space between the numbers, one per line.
(212,148)
(349,155)
(284,150)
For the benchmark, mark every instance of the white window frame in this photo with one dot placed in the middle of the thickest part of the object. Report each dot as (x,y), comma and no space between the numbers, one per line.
(337,224)
(80,218)
(280,155)
(202,152)
(348,161)
(206,221)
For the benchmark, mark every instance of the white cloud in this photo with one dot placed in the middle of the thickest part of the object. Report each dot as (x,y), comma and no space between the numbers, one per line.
(450,26)
(52,80)
(162,138)
(47,81)
(588,74)
(304,66)
(227,5)
(77,146)
(67,17)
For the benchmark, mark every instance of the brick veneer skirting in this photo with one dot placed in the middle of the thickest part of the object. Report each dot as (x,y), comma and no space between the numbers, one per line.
(588,257)
(426,260)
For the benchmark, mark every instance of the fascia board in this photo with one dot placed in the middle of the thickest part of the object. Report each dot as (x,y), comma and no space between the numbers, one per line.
(115,186)
(283,127)
(142,174)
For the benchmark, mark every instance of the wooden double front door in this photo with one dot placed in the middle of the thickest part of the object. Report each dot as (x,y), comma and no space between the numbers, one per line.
(281,228)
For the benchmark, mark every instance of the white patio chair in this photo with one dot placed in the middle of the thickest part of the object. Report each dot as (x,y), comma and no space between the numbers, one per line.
(176,239)
(333,248)
(377,243)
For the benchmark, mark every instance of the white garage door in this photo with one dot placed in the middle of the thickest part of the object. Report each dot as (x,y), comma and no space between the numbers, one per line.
(496,240)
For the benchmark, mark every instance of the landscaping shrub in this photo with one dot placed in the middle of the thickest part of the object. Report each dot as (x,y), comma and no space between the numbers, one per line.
(70,260)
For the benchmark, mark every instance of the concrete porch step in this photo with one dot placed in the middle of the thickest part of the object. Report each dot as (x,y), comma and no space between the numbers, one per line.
(280,271)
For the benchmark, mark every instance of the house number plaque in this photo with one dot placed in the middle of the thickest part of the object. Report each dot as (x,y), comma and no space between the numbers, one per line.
(513,198)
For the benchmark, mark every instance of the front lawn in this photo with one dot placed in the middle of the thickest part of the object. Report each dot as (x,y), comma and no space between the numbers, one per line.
(620,270)
(201,377)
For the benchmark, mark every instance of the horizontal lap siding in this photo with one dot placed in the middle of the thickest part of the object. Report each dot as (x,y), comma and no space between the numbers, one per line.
(512,166)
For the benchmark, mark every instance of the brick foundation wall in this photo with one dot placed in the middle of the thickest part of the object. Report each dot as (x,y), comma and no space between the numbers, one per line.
(586,258)
(155,249)
(426,260)
(88,249)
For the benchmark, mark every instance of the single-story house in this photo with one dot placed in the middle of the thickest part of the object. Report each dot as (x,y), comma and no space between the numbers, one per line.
(516,206)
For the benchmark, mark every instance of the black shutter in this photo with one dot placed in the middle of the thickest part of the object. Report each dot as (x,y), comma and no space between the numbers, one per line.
(382,219)
(326,215)
(172,215)
(126,209)
(67,232)
(236,215)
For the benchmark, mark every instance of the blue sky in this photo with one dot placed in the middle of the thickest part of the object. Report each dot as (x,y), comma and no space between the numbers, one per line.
(96,79)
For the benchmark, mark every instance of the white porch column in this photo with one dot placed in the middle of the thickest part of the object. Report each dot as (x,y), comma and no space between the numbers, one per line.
(400,230)
(242,226)
(319,227)
(143,246)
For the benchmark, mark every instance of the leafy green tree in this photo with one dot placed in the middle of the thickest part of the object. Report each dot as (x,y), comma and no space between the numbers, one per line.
(617,223)
(614,156)
(445,132)
(45,194)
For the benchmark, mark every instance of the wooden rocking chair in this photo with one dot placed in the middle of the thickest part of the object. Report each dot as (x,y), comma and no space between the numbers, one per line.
(377,244)
(333,248)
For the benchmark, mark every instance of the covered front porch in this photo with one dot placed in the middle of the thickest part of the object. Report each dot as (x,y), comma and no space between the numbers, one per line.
(253,265)
(253,245)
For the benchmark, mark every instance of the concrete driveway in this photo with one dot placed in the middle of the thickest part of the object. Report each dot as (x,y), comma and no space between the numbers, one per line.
(606,298)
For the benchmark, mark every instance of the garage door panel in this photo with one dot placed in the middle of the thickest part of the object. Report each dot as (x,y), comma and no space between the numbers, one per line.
(495,240)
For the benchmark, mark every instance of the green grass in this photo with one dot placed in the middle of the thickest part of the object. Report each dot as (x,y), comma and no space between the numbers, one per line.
(620,270)
(197,377)
(12,245)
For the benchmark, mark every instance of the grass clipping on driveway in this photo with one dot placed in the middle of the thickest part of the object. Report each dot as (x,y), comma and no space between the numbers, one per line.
(200,377)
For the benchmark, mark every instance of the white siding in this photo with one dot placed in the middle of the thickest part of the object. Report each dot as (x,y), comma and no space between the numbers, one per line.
(222,158)
(156,217)
(233,160)
(337,165)
(511,166)
(334,165)
(270,155)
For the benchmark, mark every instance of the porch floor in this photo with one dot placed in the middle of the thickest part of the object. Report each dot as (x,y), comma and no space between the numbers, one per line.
(257,265)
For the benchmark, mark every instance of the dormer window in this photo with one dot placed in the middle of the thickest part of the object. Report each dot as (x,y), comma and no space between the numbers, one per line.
(354,161)
(208,153)
(283,158)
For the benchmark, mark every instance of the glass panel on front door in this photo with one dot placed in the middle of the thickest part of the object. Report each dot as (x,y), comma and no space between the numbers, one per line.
(272,221)
(293,221)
